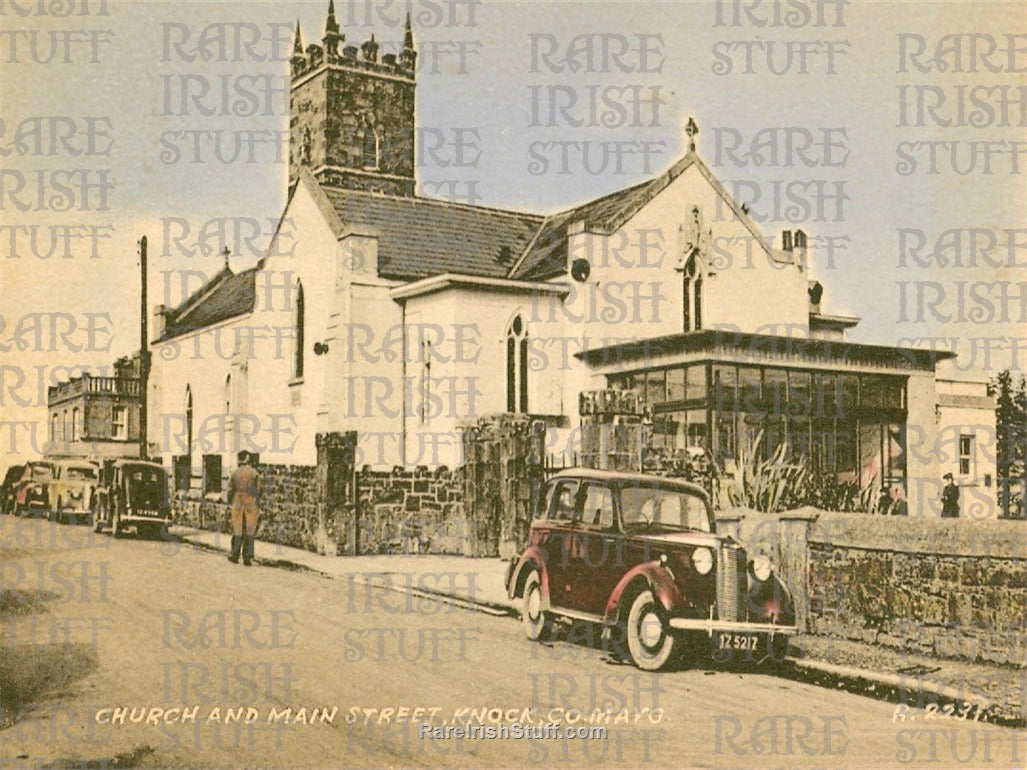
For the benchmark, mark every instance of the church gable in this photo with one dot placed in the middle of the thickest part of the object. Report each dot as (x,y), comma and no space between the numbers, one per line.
(227,295)
(547,255)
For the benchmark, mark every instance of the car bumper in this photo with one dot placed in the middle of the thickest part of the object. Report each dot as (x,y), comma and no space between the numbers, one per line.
(129,520)
(728,626)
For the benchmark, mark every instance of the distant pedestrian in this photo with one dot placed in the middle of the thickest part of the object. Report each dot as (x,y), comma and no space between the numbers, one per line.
(949,498)
(899,506)
(884,501)
(244,490)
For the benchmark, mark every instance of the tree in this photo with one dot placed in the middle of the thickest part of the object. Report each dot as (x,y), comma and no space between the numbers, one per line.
(1011,440)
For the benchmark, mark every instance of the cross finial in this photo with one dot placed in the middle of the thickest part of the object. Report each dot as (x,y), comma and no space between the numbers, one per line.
(225,254)
(691,129)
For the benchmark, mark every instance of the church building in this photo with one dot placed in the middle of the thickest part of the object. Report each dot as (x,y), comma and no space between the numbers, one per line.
(405,318)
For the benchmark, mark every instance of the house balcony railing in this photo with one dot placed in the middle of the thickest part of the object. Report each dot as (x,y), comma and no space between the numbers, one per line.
(89,384)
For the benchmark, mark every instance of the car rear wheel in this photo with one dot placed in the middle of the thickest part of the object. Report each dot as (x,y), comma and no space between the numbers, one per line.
(536,621)
(650,641)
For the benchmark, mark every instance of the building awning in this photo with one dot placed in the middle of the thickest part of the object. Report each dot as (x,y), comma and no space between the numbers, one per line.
(739,347)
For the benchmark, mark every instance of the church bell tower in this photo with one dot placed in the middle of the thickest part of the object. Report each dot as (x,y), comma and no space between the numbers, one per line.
(351,114)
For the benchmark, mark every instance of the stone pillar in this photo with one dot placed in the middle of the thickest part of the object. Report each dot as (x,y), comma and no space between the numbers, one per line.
(337,524)
(503,473)
(783,537)
(611,429)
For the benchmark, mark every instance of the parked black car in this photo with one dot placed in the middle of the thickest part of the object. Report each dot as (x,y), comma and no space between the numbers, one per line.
(11,479)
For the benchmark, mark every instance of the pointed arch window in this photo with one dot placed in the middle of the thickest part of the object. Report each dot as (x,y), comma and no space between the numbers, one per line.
(76,424)
(228,394)
(189,423)
(299,332)
(691,296)
(370,146)
(517,366)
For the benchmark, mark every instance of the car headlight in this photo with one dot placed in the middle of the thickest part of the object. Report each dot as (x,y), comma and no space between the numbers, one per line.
(762,568)
(702,560)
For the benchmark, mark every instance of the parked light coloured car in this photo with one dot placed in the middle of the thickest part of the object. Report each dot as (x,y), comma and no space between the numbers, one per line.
(72,492)
(641,554)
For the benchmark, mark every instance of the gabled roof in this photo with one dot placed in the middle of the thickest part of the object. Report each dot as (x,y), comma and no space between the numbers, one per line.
(547,254)
(422,237)
(224,296)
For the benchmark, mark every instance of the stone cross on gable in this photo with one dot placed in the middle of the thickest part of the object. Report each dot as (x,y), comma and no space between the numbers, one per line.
(695,242)
(691,129)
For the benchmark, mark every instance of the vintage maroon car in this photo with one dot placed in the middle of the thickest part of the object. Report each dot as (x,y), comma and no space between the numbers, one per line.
(641,554)
(31,493)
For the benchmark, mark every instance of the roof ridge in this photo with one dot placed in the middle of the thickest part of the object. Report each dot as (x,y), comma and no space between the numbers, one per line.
(435,202)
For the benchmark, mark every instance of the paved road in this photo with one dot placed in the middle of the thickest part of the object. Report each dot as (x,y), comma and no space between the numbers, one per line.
(162,626)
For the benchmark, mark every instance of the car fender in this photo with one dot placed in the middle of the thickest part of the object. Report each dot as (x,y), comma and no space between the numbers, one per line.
(660,582)
(532,558)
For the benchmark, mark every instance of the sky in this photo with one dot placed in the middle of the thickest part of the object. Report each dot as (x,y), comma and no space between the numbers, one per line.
(860,79)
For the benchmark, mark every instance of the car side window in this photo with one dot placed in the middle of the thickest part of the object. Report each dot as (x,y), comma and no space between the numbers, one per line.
(597,506)
(562,507)
(696,516)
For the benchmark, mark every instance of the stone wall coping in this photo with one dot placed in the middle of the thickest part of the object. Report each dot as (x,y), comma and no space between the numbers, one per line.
(994,539)
(740,514)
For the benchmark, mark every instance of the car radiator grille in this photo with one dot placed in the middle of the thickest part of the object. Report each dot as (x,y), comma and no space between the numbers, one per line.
(731,582)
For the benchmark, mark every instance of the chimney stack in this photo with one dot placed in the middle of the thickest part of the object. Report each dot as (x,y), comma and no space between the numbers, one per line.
(786,240)
(159,321)
(800,246)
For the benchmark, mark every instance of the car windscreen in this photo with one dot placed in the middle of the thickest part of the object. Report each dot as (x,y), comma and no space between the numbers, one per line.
(146,487)
(42,471)
(80,474)
(652,506)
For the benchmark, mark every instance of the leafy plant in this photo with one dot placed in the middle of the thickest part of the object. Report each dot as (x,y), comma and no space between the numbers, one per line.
(772,485)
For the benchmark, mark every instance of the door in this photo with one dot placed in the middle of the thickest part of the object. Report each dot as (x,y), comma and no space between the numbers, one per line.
(560,541)
(595,561)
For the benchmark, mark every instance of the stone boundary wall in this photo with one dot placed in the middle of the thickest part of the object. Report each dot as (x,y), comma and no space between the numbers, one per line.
(412,511)
(397,511)
(288,510)
(948,588)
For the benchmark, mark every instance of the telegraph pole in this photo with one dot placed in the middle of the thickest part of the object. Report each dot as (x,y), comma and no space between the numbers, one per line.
(144,351)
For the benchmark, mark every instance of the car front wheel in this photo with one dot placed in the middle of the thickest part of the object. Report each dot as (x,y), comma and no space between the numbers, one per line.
(650,642)
(536,620)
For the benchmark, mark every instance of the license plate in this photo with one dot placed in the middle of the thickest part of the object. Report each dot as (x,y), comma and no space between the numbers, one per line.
(738,642)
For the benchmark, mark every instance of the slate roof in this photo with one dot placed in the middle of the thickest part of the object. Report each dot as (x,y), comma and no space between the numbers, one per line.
(421,237)
(547,255)
(224,296)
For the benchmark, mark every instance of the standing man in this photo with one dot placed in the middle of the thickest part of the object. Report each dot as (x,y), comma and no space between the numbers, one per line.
(949,498)
(899,506)
(244,490)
